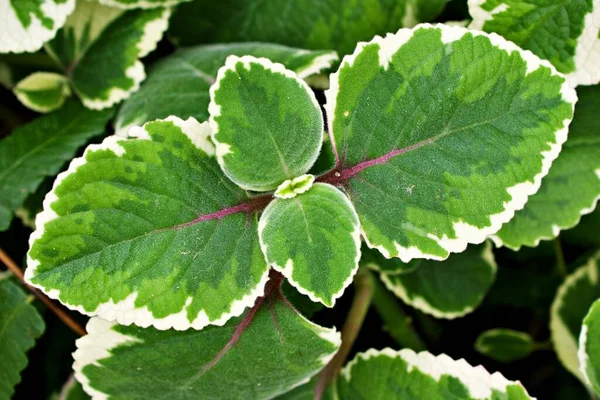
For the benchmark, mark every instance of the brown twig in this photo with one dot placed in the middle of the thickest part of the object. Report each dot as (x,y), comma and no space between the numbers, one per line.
(60,313)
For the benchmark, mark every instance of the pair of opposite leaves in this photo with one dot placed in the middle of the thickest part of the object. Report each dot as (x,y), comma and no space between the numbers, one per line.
(439,134)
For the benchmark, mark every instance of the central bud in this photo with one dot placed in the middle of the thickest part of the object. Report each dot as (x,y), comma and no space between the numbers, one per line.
(293,187)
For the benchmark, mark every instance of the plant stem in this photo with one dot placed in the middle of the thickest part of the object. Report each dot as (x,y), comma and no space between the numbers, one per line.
(363,283)
(63,316)
(398,324)
(561,265)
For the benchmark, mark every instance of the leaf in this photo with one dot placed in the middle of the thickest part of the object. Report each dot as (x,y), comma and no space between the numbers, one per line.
(39,149)
(313,239)
(27,24)
(20,326)
(43,91)
(586,232)
(149,231)
(374,260)
(141,3)
(100,48)
(72,390)
(572,302)
(266,352)
(448,289)
(179,84)
(388,374)
(505,345)
(565,32)
(589,347)
(265,122)
(572,187)
(309,24)
(441,134)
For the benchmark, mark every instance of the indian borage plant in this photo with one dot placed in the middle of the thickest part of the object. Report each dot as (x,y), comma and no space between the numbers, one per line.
(438,136)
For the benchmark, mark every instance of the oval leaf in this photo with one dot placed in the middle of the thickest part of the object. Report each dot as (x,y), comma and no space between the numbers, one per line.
(589,348)
(149,232)
(572,302)
(266,352)
(447,289)
(441,134)
(266,123)
(505,345)
(43,91)
(397,375)
(565,32)
(179,84)
(313,239)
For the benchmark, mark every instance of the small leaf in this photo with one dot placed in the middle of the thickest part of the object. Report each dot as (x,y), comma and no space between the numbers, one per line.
(572,187)
(441,134)
(447,289)
(389,375)
(179,84)
(20,326)
(266,123)
(149,231)
(100,48)
(268,351)
(40,149)
(565,32)
(313,239)
(141,3)
(28,24)
(43,91)
(589,348)
(310,24)
(572,302)
(72,390)
(505,345)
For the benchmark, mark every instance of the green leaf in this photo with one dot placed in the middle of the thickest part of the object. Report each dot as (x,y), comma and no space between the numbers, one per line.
(39,149)
(441,134)
(313,239)
(72,390)
(323,24)
(565,32)
(149,231)
(572,302)
(20,326)
(179,84)
(141,3)
(43,91)
(572,187)
(27,24)
(390,375)
(505,345)
(268,351)
(585,233)
(374,260)
(447,289)
(100,48)
(266,123)
(589,348)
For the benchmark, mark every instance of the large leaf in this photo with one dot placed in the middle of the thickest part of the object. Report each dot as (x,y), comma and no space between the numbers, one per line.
(40,149)
(141,3)
(27,24)
(149,231)
(266,352)
(565,32)
(100,48)
(572,187)
(505,345)
(397,375)
(310,24)
(572,302)
(447,289)
(20,326)
(43,91)
(589,348)
(179,84)
(313,239)
(441,134)
(265,122)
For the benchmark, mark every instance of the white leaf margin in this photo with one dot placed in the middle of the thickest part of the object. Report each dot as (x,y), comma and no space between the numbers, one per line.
(587,51)
(42,81)
(464,233)
(140,3)
(15,38)
(153,33)
(421,303)
(582,354)
(125,312)
(479,382)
